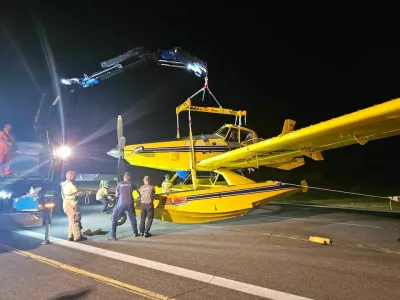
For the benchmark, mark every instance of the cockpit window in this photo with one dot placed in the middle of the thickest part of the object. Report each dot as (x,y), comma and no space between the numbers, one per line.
(233,136)
(246,135)
(222,132)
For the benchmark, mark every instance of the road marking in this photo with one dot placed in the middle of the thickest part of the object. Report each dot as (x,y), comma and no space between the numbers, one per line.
(194,275)
(115,283)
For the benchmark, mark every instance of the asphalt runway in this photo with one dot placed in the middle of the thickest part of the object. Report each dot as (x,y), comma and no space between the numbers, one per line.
(263,253)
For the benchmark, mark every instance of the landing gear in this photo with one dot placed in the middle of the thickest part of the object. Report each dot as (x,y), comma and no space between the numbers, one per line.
(122,219)
(111,205)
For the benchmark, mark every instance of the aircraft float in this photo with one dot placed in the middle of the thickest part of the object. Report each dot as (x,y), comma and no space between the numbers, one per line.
(225,192)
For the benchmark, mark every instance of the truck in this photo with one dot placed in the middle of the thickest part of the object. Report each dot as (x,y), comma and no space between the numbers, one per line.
(34,166)
(29,196)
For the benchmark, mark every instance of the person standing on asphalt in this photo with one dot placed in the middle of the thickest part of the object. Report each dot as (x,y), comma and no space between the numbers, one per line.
(125,203)
(147,194)
(70,194)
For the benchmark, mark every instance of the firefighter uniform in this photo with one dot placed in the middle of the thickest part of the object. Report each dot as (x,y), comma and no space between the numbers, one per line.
(71,209)
(6,144)
(103,197)
(166,185)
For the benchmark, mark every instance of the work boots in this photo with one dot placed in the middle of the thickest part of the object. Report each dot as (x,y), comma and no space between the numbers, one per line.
(82,238)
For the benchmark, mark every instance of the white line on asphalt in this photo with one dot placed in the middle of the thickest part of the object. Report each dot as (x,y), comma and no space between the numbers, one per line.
(194,275)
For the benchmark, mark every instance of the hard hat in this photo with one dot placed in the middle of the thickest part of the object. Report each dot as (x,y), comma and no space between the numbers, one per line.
(104,183)
(167,176)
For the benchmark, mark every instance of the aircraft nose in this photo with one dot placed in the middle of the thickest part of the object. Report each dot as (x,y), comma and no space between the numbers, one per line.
(114,153)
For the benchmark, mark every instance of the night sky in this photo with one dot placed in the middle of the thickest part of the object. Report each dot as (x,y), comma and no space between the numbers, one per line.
(303,68)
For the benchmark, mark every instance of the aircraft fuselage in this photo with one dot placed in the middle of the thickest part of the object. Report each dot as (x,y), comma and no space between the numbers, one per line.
(174,155)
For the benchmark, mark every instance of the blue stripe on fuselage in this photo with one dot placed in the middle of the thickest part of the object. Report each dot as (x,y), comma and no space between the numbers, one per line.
(187,149)
(232,193)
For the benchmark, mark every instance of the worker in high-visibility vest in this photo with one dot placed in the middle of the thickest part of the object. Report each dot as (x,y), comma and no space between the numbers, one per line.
(166,184)
(70,194)
(103,196)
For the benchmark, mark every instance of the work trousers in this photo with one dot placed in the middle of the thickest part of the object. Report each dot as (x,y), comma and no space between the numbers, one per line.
(147,211)
(118,210)
(104,200)
(74,219)
(5,157)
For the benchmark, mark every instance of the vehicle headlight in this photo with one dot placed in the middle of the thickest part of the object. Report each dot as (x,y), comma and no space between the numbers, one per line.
(63,152)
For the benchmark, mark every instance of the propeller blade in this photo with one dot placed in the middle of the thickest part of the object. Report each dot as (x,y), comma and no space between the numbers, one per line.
(120,128)
(120,168)
(121,145)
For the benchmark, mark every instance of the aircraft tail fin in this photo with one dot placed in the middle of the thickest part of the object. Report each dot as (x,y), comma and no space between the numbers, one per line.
(288,126)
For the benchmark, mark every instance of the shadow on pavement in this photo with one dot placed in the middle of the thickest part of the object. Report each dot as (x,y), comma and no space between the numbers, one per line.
(13,240)
(74,295)
(267,213)
(273,213)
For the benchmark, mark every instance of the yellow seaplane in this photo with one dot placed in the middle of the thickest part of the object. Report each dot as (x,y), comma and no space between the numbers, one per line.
(225,193)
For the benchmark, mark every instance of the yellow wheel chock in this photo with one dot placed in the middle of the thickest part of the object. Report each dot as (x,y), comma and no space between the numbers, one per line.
(320,240)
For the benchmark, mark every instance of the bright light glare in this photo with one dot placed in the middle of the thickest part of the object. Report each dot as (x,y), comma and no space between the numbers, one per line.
(195,68)
(63,152)
(65,81)
(5,195)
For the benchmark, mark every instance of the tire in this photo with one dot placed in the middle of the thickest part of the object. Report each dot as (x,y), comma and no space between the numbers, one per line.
(121,219)
(111,204)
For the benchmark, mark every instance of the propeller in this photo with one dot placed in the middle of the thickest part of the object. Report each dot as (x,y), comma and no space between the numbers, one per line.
(120,147)
(120,128)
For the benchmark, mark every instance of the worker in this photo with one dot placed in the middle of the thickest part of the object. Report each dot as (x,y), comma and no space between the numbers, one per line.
(125,203)
(233,137)
(69,193)
(7,144)
(147,194)
(167,184)
(103,196)
(249,136)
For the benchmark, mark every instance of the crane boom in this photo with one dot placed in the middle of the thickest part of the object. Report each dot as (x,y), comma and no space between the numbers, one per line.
(136,52)
(175,58)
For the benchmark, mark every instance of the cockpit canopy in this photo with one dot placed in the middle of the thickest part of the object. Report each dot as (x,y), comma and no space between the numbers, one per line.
(235,134)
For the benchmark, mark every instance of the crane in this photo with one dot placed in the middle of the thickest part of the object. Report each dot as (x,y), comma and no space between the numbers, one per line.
(174,57)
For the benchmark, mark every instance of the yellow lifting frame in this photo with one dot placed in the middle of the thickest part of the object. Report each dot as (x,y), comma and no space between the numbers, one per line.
(187,106)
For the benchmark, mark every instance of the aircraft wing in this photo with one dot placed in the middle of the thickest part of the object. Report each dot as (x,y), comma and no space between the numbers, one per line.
(286,151)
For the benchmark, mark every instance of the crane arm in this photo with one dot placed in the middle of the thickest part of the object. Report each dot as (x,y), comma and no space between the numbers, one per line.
(175,58)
